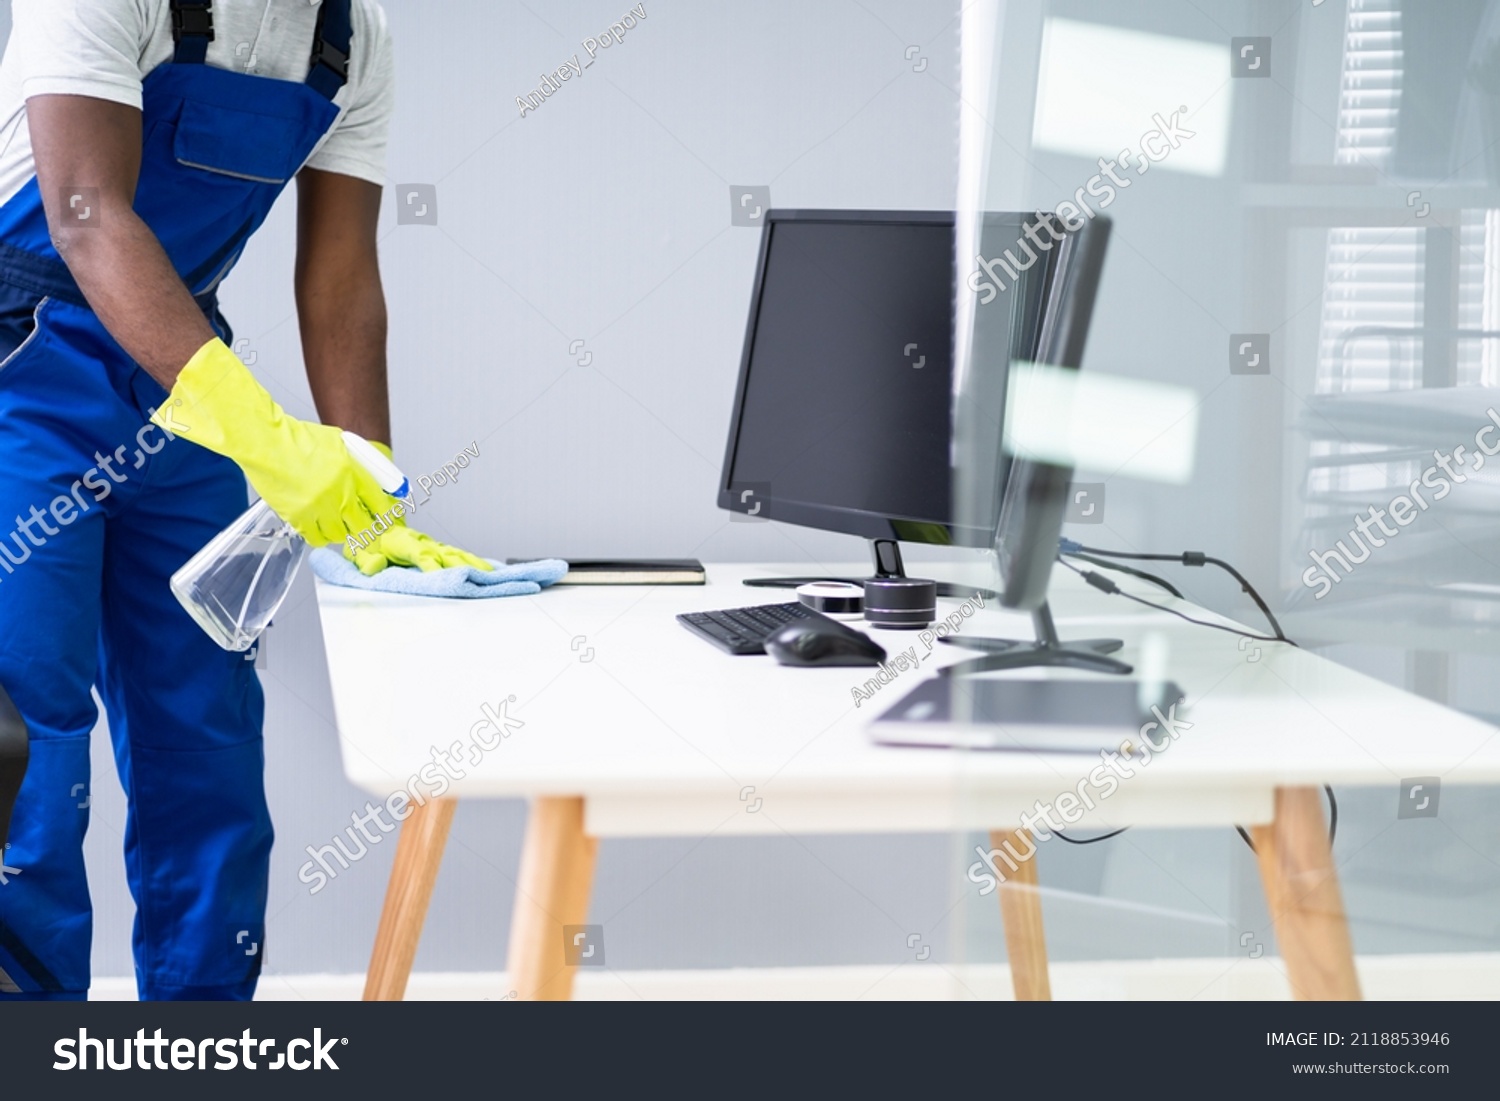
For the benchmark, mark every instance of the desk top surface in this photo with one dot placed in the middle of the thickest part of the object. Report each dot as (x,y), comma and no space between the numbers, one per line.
(601,692)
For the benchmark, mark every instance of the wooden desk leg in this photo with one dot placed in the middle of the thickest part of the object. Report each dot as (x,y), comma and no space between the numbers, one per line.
(1021,914)
(419,852)
(552,890)
(1302,891)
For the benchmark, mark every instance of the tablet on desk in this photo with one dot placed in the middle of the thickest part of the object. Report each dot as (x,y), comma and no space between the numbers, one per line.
(1069,716)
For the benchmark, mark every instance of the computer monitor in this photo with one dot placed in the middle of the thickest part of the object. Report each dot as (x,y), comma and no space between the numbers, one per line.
(843,415)
(1036,493)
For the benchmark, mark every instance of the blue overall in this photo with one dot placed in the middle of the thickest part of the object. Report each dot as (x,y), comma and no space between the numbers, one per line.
(105,509)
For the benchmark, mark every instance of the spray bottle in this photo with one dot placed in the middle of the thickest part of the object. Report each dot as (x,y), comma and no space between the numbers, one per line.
(234,585)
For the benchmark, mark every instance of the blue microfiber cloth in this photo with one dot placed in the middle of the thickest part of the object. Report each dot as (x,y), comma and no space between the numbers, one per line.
(460,582)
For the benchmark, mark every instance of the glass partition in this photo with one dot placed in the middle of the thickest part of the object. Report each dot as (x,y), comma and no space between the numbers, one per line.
(1304,209)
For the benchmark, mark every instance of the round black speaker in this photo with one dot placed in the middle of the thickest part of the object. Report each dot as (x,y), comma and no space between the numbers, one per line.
(904,602)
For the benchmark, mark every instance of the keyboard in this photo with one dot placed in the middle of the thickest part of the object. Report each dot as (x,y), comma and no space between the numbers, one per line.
(744,630)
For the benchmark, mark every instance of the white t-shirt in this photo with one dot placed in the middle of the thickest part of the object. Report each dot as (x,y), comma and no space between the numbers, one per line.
(105,48)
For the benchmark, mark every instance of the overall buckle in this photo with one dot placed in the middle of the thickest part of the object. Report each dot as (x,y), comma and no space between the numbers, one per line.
(326,53)
(194,21)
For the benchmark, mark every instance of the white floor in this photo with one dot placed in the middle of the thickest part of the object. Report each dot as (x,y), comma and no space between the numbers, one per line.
(1473,976)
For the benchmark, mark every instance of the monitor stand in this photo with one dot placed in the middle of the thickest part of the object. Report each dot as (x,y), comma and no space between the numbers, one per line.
(1001,653)
(887,555)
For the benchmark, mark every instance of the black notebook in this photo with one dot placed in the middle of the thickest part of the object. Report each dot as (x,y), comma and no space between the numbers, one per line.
(630,571)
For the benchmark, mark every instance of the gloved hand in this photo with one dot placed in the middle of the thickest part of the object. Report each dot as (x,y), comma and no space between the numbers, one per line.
(302,470)
(400,545)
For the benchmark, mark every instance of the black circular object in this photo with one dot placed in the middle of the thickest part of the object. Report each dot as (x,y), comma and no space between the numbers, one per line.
(832,597)
(905,602)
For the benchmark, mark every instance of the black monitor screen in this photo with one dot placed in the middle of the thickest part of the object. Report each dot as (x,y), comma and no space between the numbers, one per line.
(844,419)
(847,399)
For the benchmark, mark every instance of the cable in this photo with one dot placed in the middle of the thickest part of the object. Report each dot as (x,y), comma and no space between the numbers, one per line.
(1189,558)
(1090,840)
(1333,820)
(1133,572)
(1105,585)
(1186,558)
(1333,827)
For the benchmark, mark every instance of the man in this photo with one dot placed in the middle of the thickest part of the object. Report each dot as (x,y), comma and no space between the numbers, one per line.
(145,141)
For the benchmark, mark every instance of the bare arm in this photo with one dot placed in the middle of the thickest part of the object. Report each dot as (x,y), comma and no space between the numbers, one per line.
(120,266)
(340,302)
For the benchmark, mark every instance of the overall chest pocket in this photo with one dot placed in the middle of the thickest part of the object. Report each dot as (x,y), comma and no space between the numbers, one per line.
(242,144)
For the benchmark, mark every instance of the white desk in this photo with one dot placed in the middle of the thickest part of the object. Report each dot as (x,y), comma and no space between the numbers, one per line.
(634,727)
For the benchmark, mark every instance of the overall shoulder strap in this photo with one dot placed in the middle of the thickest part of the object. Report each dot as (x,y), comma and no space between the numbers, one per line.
(331,45)
(192,30)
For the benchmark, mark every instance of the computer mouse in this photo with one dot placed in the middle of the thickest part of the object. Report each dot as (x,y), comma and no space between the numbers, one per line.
(822,641)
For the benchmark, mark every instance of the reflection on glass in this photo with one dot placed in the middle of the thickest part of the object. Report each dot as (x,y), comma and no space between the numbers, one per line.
(1320,265)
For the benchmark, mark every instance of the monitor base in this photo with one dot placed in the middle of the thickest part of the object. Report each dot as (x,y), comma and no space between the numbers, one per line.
(1048,650)
(887,555)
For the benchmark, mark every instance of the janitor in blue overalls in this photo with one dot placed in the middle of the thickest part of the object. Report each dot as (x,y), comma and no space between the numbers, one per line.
(128,429)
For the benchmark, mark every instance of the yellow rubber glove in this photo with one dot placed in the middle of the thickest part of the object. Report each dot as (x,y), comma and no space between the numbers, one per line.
(400,545)
(302,470)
